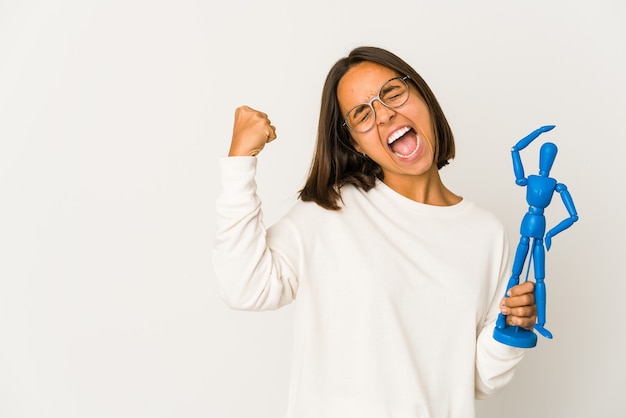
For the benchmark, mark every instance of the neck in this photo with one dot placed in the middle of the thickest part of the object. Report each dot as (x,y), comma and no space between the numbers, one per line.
(426,188)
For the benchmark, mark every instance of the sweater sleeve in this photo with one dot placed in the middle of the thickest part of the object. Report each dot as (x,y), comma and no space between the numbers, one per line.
(495,362)
(251,274)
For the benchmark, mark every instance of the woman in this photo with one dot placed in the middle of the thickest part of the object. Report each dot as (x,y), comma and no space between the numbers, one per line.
(397,280)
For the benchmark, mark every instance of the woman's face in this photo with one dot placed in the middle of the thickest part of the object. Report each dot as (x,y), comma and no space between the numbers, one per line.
(401,140)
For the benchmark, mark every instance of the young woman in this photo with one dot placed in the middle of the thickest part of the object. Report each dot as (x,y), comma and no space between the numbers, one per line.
(397,281)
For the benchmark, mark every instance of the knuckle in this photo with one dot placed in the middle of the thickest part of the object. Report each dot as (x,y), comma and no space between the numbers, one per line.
(513,320)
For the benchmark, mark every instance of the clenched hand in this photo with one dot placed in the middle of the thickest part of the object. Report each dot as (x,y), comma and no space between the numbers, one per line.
(252,130)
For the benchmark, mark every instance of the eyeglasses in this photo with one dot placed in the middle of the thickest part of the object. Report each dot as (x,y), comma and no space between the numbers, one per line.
(362,117)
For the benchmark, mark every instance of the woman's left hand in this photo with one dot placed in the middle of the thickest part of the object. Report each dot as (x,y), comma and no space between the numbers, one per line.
(519,307)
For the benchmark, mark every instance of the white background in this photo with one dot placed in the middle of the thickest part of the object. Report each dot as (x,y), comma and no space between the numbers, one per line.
(114,113)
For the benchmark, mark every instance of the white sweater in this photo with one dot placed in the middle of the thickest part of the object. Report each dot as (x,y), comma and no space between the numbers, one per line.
(395,301)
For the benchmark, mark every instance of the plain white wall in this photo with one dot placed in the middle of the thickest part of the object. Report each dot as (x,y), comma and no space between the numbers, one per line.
(113,115)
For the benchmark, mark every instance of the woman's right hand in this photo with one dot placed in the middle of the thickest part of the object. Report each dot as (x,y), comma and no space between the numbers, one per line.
(251,132)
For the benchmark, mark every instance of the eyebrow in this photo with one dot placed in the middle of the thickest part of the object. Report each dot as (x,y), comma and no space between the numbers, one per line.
(382,92)
(388,89)
(360,108)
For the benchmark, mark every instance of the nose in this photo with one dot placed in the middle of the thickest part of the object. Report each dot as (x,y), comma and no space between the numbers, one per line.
(383,113)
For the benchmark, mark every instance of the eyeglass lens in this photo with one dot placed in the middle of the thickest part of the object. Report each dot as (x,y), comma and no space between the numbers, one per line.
(392,94)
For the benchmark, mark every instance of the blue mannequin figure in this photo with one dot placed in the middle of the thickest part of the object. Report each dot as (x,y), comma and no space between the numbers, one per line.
(539,191)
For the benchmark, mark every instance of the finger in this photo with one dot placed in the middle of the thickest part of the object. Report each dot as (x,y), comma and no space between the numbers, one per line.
(523,317)
(271,134)
(526,299)
(522,311)
(520,289)
(523,322)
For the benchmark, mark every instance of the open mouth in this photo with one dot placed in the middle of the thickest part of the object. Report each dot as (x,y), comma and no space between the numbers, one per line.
(404,142)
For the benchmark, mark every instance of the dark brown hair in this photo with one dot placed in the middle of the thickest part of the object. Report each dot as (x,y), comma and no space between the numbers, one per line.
(336,162)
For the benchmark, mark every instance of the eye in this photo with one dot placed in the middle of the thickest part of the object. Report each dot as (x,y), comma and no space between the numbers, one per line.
(360,114)
(393,94)
(365,115)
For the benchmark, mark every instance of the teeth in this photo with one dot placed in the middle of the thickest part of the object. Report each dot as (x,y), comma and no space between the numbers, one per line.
(397,134)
